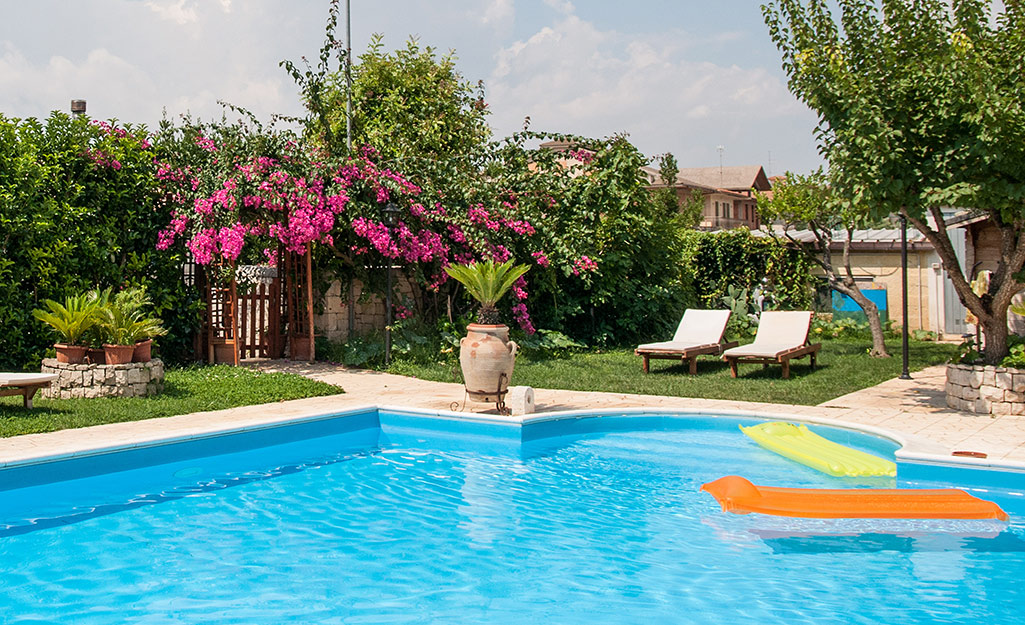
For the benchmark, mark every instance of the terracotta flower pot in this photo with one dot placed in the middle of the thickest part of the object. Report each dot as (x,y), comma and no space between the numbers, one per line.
(70,354)
(118,354)
(96,356)
(143,351)
(487,356)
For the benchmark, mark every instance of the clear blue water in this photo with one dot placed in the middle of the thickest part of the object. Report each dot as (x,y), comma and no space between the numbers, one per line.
(406,527)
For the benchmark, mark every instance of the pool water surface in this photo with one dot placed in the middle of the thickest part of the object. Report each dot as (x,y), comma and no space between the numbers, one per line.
(408,525)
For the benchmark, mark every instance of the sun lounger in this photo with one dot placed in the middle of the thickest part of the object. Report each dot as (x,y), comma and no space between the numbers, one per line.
(24,384)
(782,336)
(700,332)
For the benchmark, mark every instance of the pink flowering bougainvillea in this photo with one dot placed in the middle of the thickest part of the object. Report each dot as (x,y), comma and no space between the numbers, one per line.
(232,190)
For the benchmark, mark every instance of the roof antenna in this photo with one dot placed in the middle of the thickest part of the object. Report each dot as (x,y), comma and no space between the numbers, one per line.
(721,149)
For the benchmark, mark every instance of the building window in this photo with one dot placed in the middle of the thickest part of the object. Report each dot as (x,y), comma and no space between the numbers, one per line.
(717,209)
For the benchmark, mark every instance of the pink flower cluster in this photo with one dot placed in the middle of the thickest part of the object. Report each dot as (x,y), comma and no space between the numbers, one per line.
(206,143)
(401,312)
(584,265)
(378,235)
(109,129)
(520,227)
(541,259)
(103,159)
(519,310)
(582,155)
(478,215)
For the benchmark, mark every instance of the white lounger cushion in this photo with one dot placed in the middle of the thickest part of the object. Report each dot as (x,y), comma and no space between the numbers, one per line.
(21,379)
(778,331)
(697,328)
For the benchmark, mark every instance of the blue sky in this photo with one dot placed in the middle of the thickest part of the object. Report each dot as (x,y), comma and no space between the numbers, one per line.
(682,76)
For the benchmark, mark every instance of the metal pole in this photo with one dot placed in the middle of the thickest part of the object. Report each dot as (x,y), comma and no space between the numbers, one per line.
(348,80)
(387,318)
(905,374)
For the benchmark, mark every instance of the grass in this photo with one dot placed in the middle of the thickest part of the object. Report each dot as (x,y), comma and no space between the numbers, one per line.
(843,367)
(193,389)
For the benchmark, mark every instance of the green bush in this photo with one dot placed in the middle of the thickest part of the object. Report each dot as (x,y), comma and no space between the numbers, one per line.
(80,206)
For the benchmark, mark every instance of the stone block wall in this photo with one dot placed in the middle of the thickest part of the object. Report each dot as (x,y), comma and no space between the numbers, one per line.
(369,312)
(986,390)
(136,379)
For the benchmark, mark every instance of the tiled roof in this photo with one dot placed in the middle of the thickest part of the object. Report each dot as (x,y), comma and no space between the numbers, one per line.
(878,237)
(742,178)
(655,179)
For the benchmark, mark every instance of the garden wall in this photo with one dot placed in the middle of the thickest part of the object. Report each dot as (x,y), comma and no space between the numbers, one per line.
(368,311)
(986,390)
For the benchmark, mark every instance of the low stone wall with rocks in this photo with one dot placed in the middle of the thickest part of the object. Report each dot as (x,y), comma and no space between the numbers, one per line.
(135,379)
(986,390)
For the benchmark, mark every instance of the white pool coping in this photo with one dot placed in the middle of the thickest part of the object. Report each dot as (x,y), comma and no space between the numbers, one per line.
(103,439)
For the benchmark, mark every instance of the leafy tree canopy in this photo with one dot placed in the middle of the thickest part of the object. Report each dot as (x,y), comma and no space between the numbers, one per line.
(921,105)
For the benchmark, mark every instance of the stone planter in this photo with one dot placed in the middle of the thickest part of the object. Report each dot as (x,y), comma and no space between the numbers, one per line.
(487,356)
(984,389)
(128,380)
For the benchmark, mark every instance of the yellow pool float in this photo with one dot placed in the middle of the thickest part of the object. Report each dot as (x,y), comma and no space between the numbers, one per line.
(802,445)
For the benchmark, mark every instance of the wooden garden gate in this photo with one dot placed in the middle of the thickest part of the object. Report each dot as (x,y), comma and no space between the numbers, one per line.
(251,320)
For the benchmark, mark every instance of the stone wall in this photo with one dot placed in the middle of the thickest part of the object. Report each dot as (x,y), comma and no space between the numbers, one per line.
(368,312)
(986,390)
(136,379)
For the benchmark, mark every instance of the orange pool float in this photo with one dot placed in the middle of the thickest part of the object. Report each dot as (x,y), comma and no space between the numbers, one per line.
(738,495)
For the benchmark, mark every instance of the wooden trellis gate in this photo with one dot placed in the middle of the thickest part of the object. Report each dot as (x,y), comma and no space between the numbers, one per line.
(249,318)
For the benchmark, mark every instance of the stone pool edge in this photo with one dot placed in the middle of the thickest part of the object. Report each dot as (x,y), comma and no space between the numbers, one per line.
(108,438)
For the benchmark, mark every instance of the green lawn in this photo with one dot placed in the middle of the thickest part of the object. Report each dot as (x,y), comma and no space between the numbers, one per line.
(194,389)
(843,367)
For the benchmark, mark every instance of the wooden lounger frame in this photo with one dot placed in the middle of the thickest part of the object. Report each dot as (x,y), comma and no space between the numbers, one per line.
(690,354)
(26,390)
(782,358)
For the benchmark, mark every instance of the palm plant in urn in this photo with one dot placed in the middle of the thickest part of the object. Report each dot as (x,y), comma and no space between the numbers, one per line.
(486,355)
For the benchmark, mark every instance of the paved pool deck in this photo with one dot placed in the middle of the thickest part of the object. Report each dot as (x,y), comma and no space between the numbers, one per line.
(913,411)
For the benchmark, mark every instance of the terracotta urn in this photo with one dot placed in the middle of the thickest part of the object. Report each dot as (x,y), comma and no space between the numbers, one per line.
(143,351)
(96,356)
(70,354)
(485,354)
(118,354)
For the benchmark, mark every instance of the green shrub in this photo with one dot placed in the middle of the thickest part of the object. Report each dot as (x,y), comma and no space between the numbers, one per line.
(80,206)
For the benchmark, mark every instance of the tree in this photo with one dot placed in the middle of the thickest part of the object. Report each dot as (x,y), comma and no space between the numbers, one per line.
(807,202)
(666,197)
(687,213)
(921,105)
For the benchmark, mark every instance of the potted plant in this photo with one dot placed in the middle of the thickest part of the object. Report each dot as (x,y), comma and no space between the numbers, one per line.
(70,320)
(94,336)
(486,355)
(121,322)
(142,333)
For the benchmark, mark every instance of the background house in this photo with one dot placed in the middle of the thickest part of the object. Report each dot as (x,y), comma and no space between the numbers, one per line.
(933,304)
(727,192)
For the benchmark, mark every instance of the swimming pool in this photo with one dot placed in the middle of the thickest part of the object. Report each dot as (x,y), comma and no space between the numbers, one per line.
(387,516)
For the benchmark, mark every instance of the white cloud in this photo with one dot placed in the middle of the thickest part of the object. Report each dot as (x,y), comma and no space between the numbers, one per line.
(498,12)
(562,6)
(112,86)
(573,77)
(180,12)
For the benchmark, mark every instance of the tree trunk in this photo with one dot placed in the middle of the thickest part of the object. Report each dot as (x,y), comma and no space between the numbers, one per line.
(994,331)
(845,283)
(874,324)
(991,307)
